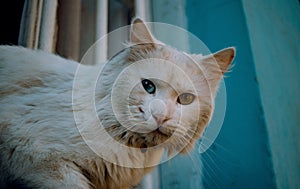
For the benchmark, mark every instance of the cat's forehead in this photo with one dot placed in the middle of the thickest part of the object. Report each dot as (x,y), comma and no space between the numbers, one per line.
(168,65)
(181,59)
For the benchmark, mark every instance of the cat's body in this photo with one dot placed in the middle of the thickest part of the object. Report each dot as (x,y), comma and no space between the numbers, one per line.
(41,144)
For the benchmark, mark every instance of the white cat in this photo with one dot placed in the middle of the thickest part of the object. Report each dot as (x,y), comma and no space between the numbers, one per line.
(150,98)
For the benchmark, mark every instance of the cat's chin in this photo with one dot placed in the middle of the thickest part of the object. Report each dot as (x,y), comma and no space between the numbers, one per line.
(158,137)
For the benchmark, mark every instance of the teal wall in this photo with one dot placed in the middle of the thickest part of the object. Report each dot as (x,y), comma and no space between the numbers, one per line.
(240,156)
(274,30)
(258,146)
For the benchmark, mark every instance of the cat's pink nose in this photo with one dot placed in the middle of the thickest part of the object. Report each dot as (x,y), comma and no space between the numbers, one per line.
(161,110)
(160,120)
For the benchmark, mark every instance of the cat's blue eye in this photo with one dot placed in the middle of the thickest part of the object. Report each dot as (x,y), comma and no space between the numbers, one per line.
(148,86)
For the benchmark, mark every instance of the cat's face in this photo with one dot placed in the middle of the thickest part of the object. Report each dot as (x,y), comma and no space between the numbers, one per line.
(161,97)
(164,96)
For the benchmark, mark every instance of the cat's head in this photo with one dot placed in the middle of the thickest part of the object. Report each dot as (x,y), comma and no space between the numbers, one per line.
(162,96)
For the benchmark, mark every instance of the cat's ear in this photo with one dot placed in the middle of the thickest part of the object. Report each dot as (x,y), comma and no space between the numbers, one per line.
(215,65)
(139,32)
(222,58)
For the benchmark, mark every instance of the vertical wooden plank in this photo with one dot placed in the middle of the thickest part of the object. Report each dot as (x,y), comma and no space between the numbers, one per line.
(30,24)
(143,9)
(47,26)
(117,17)
(87,26)
(68,38)
(101,30)
(94,25)
(171,12)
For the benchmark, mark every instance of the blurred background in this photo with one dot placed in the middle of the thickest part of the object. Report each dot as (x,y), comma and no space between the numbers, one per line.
(259,145)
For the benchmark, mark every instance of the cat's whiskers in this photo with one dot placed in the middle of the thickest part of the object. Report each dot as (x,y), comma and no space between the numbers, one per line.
(209,149)
(215,143)
(213,169)
(195,162)
(213,176)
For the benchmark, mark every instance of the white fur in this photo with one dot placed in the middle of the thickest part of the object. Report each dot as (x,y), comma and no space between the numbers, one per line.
(39,138)
(42,144)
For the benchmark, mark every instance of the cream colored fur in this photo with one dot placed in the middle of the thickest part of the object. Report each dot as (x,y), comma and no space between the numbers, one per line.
(40,142)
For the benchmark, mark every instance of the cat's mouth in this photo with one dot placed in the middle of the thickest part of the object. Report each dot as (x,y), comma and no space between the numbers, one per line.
(144,140)
(159,136)
(160,131)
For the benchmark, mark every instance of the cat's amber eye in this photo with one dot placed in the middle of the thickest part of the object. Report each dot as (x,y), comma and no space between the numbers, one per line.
(148,86)
(185,98)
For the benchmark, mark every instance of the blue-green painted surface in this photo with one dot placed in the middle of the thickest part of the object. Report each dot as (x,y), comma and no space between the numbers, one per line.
(274,28)
(259,143)
(240,157)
